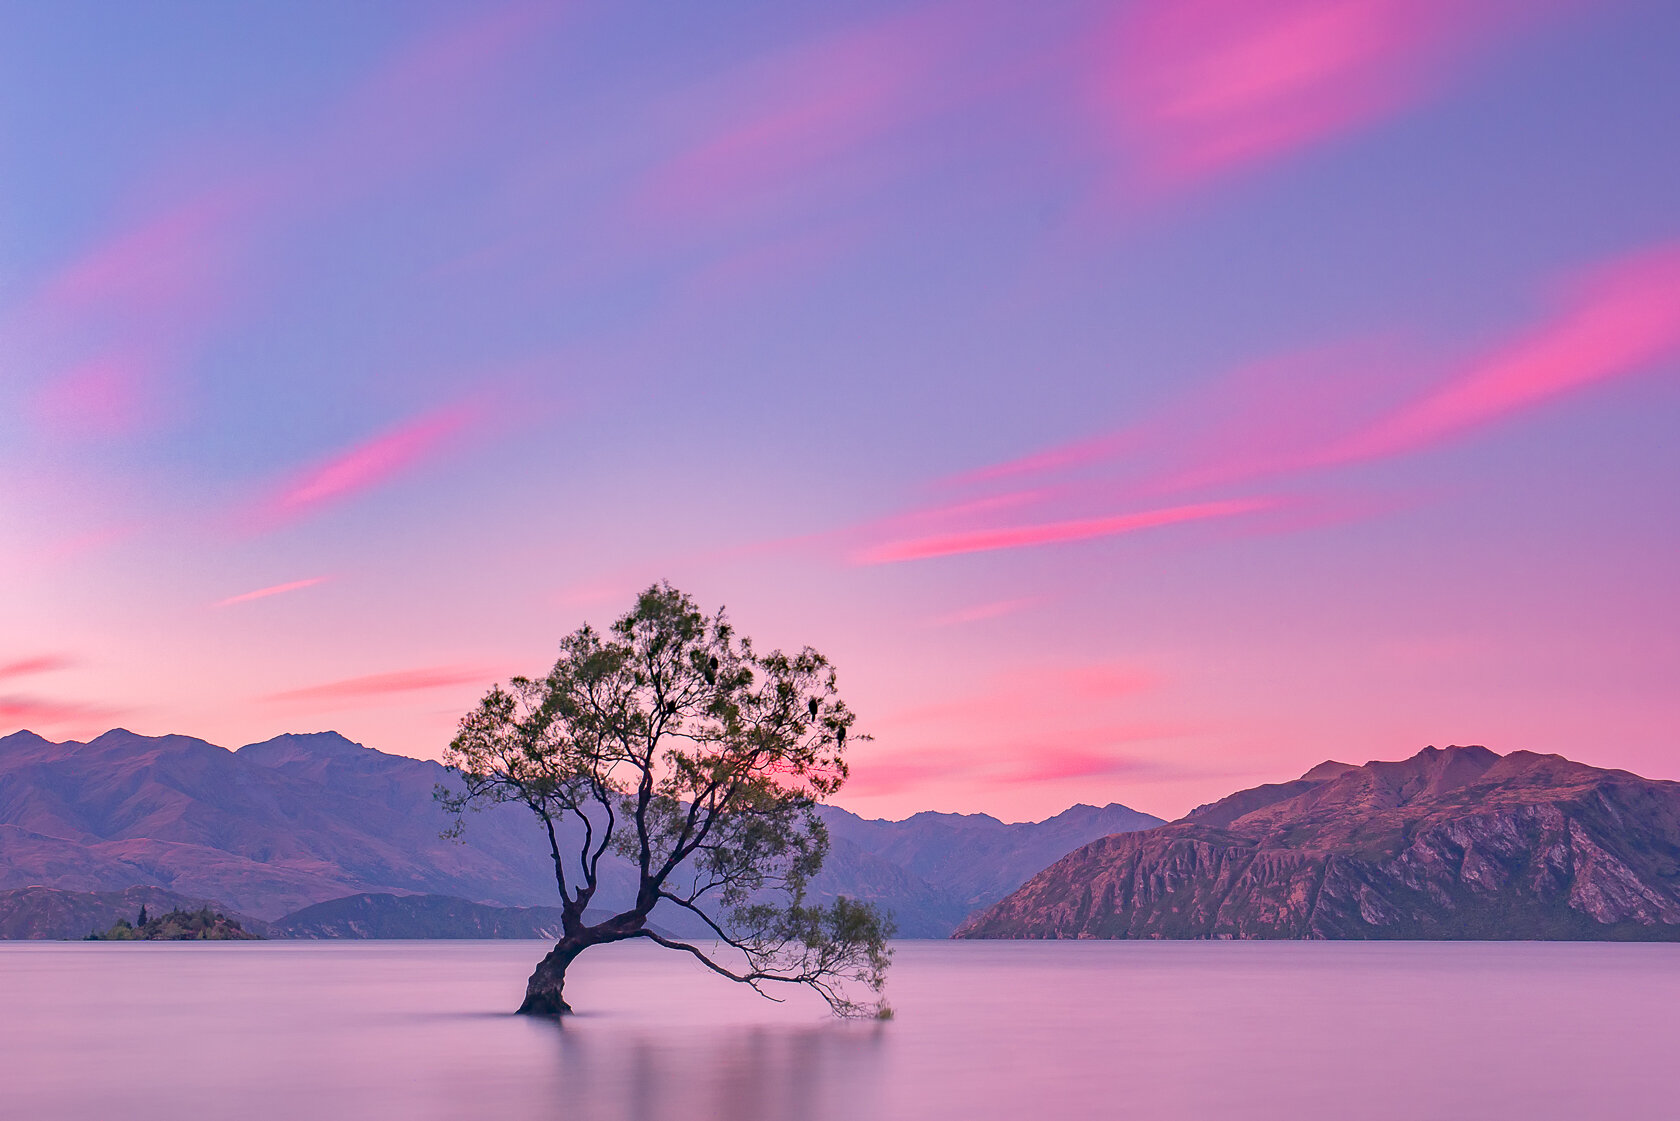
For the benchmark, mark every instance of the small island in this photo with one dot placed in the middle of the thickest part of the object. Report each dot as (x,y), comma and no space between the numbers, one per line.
(202,925)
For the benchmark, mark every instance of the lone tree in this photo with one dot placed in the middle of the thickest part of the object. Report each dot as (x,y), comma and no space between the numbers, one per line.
(671,743)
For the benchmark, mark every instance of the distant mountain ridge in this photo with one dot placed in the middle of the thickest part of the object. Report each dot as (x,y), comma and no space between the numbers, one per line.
(266,829)
(1457,842)
(44,913)
(977,859)
(53,913)
(379,915)
(299,820)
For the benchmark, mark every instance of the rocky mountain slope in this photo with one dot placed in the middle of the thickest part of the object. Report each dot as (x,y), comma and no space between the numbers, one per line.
(1452,843)
(303,819)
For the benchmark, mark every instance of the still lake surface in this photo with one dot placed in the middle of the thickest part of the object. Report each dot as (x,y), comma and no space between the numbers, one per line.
(1163,1031)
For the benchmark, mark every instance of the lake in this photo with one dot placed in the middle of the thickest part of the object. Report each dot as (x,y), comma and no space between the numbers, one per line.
(1156,1030)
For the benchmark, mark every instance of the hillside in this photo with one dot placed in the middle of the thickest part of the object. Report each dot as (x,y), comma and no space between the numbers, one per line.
(267,829)
(303,819)
(1452,843)
(975,858)
(49,913)
(416,916)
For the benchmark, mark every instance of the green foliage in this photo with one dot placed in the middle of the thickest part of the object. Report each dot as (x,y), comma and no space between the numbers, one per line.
(176,926)
(670,741)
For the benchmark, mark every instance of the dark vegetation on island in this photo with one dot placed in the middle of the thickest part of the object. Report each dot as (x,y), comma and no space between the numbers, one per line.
(671,741)
(202,925)
(1454,843)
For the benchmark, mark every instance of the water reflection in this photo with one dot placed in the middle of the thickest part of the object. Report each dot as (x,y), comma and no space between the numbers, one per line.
(759,1073)
(1163,1032)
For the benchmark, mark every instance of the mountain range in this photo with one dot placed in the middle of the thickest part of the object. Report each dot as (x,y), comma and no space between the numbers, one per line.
(1456,842)
(299,820)
(46,912)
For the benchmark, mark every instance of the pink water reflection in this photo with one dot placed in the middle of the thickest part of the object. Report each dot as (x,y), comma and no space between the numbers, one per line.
(1126,1030)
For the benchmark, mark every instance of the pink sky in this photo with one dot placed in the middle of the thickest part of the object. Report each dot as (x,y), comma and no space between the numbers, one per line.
(1137,401)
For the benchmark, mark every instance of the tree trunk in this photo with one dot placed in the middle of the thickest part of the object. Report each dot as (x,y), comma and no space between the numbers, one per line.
(545,991)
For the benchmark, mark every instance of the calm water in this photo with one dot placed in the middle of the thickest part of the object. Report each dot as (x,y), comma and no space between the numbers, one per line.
(1017,1030)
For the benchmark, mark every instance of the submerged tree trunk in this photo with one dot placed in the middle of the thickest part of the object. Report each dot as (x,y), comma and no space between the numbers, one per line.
(545,991)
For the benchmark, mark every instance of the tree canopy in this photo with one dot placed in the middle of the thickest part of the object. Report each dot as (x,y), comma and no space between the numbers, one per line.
(670,742)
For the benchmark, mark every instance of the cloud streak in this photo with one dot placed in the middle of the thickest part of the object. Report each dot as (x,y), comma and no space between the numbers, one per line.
(20,710)
(800,117)
(371,463)
(109,331)
(1205,88)
(975,613)
(1621,319)
(1306,415)
(40,663)
(275,590)
(1053,533)
(382,686)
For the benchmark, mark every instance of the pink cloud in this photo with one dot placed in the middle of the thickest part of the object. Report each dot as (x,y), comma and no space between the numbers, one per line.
(806,112)
(104,396)
(881,773)
(1013,761)
(981,611)
(82,544)
(1305,413)
(275,590)
(23,711)
(414,104)
(40,663)
(1053,763)
(159,263)
(1621,319)
(1201,88)
(373,462)
(1032,698)
(1054,533)
(1076,453)
(111,324)
(379,686)
(108,330)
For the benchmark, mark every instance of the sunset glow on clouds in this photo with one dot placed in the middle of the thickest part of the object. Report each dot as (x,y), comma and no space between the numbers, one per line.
(372,462)
(381,686)
(271,590)
(1053,533)
(1135,400)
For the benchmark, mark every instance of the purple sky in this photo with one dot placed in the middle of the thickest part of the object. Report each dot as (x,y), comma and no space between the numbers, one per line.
(1137,401)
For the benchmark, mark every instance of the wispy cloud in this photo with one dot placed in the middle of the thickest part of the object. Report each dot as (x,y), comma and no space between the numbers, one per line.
(28,711)
(40,663)
(1033,697)
(104,396)
(109,332)
(1032,724)
(799,117)
(1013,761)
(372,462)
(1054,533)
(1621,319)
(1203,88)
(978,612)
(1302,418)
(275,590)
(382,686)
